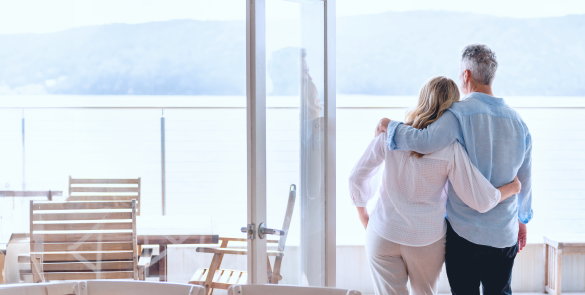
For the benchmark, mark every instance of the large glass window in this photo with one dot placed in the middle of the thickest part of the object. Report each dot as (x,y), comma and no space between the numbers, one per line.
(125,90)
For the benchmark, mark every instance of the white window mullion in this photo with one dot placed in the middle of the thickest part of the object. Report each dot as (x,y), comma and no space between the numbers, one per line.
(330,139)
(256,129)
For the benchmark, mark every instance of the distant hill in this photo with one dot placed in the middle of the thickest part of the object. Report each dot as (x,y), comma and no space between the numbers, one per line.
(394,53)
(390,53)
(182,57)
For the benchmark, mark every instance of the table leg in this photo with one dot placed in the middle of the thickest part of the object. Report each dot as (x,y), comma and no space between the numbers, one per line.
(162,263)
(559,271)
(546,279)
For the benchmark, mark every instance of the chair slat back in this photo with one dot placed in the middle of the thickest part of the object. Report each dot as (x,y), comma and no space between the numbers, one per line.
(292,195)
(83,240)
(97,189)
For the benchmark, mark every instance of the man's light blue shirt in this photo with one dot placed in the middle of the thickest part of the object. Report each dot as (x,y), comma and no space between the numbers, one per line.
(499,145)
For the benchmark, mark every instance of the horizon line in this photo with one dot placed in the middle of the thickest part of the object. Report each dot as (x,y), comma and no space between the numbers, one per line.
(338,16)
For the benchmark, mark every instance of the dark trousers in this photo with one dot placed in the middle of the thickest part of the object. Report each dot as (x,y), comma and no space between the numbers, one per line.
(470,264)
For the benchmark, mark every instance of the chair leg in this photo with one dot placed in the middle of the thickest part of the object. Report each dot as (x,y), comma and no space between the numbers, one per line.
(276,272)
(36,268)
(545,268)
(269,268)
(215,263)
(559,271)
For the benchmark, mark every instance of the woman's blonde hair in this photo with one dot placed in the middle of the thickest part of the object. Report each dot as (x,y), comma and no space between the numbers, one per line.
(436,96)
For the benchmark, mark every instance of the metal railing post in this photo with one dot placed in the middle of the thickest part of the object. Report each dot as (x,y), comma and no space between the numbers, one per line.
(23,153)
(162,160)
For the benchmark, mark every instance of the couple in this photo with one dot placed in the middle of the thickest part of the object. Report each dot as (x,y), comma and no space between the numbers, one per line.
(447,159)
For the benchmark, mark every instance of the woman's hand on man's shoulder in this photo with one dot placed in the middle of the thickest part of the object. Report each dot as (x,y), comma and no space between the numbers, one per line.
(382,126)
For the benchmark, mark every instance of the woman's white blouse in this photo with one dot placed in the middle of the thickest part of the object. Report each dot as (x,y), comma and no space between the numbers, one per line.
(413,193)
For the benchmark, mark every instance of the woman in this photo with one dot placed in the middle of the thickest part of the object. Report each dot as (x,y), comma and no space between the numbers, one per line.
(405,235)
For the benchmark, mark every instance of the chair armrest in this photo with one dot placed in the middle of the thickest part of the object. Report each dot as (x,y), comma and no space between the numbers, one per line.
(145,258)
(244,240)
(144,262)
(234,251)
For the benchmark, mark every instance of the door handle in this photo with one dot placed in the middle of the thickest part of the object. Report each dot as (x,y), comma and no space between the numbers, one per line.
(249,230)
(263,230)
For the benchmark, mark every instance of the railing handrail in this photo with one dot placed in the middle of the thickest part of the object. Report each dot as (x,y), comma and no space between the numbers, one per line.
(344,101)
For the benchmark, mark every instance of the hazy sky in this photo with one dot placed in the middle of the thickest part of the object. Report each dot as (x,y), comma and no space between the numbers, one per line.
(38,16)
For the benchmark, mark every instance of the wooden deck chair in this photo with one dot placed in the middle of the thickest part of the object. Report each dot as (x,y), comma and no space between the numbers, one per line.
(222,278)
(83,240)
(287,290)
(85,189)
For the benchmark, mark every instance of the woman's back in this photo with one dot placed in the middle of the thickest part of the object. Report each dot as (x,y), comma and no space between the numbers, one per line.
(413,192)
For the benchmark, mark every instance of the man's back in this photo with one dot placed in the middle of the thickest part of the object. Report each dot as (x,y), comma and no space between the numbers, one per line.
(498,144)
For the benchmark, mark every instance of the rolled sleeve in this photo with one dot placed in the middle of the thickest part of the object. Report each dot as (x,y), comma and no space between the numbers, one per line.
(434,137)
(391,131)
(525,176)
(364,178)
(470,185)
(358,203)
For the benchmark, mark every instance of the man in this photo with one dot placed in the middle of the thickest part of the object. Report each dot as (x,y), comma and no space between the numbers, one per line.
(481,247)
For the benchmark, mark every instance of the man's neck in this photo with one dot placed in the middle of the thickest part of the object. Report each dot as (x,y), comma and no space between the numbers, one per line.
(486,89)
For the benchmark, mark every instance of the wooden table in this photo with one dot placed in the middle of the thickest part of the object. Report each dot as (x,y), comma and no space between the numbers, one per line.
(48,194)
(555,246)
(173,230)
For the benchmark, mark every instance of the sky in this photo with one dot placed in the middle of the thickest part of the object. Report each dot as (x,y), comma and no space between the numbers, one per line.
(41,16)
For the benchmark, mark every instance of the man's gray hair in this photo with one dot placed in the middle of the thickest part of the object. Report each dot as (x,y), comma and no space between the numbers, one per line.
(481,61)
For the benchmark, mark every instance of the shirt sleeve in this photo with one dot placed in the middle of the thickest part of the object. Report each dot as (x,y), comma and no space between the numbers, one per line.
(364,179)
(436,136)
(469,184)
(525,177)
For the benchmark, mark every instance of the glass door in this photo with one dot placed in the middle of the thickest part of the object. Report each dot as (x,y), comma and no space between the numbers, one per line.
(292,134)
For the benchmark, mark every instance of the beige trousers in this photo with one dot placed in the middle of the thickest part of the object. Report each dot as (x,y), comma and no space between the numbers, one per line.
(393,264)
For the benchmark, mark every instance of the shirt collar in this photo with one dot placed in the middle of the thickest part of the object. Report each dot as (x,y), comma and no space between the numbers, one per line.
(491,100)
